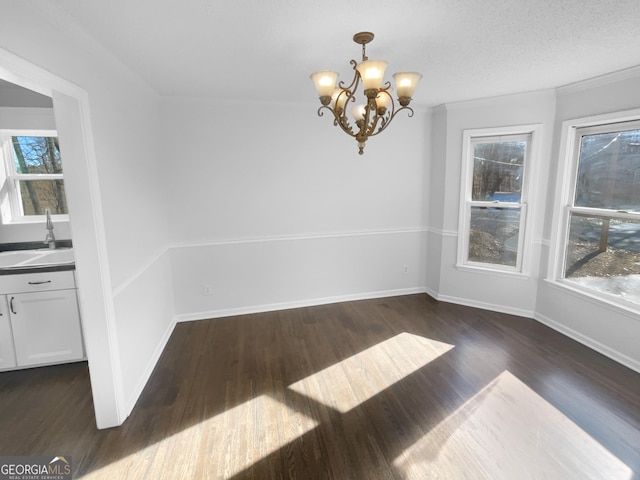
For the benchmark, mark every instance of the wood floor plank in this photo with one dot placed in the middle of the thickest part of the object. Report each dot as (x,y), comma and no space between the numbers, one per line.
(394,388)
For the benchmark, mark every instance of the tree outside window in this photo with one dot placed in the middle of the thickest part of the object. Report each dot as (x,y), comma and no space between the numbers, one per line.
(39,156)
(494,196)
(34,175)
(603,242)
(497,178)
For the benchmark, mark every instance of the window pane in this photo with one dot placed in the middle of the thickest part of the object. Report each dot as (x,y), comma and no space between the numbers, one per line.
(609,171)
(494,235)
(37,195)
(604,255)
(36,155)
(497,171)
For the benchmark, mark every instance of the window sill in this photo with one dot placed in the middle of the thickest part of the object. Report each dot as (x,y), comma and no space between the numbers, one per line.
(494,272)
(596,297)
(35,220)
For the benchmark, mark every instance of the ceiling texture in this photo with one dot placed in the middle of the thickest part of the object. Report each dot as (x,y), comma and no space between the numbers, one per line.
(266,49)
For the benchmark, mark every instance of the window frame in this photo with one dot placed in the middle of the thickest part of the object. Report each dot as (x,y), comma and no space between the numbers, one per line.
(567,174)
(11,201)
(527,198)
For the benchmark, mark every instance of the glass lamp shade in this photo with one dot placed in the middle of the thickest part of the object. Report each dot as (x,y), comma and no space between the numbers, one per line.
(372,73)
(325,82)
(383,99)
(358,112)
(406,83)
(338,98)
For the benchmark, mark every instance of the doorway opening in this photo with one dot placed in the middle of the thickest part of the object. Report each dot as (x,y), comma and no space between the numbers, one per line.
(73,125)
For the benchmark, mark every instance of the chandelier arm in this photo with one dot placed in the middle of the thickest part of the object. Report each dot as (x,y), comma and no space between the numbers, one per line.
(385,116)
(340,115)
(353,86)
(410,113)
(367,124)
(344,124)
(371,126)
(350,97)
(338,120)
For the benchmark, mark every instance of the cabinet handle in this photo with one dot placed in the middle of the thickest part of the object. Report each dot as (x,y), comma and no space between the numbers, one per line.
(39,283)
(11,306)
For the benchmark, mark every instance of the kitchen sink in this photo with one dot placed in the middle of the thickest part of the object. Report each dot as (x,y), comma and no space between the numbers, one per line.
(36,258)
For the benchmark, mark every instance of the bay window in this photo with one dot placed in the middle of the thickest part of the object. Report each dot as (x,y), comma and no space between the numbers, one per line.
(601,247)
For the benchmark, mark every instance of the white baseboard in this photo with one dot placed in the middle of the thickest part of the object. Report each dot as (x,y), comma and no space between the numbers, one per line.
(228,312)
(432,293)
(589,342)
(593,344)
(520,312)
(151,364)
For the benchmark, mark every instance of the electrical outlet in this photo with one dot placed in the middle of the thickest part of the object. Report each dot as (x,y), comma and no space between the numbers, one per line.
(406,269)
(207,290)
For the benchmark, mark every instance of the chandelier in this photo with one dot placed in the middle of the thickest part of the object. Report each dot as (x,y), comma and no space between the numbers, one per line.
(379,108)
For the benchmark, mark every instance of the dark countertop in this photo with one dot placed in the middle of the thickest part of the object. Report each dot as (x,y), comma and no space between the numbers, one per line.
(50,268)
(11,247)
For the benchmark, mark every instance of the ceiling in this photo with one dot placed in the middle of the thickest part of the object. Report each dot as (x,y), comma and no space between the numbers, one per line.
(266,49)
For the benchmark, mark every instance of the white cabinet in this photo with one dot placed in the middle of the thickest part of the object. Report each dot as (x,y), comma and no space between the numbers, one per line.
(7,352)
(46,327)
(43,319)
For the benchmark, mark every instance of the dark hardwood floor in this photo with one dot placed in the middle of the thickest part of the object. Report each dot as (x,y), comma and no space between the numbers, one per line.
(394,388)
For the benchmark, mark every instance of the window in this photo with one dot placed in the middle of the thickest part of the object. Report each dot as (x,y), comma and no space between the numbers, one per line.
(33,179)
(494,196)
(602,240)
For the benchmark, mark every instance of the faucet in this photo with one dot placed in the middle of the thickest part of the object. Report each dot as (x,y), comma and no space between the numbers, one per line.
(50,239)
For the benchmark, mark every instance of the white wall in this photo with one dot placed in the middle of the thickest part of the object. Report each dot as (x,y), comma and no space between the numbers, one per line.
(437,165)
(497,292)
(272,205)
(610,330)
(124,154)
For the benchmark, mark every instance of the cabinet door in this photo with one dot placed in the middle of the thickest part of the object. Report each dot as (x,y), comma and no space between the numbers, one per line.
(46,327)
(7,353)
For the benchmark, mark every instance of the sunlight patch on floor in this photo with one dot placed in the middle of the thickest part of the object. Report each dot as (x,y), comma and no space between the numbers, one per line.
(508,431)
(252,431)
(134,466)
(360,377)
(218,447)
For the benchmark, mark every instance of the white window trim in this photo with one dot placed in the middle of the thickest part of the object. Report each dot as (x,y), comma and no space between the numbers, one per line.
(526,205)
(9,203)
(565,191)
